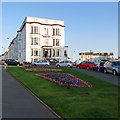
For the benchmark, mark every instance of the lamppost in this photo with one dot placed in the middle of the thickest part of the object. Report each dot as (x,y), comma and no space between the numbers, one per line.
(90,55)
(8,41)
(3,49)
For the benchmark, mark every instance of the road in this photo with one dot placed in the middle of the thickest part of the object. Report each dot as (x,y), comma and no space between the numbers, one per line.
(103,76)
(18,102)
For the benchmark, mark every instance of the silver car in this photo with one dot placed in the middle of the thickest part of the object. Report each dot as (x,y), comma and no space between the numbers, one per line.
(64,64)
(41,63)
(112,67)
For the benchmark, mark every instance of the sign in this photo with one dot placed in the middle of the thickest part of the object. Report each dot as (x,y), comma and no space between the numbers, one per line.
(46,35)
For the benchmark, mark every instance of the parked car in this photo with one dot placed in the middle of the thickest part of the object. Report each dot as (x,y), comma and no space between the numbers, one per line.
(2,62)
(86,65)
(99,66)
(12,62)
(112,67)
(41,63)
(64,64)
(74,63)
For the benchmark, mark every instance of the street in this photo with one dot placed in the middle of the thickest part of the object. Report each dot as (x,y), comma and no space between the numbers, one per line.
(18,102)
(103,76)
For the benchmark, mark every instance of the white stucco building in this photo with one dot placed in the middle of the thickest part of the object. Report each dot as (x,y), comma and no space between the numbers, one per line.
(95,57)
(39,39)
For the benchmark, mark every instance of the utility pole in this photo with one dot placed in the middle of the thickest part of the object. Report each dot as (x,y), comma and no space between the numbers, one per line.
(90,55)
(8,41)
(3,49)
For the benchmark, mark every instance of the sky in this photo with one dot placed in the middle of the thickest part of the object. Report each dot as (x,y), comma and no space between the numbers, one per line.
(89,25)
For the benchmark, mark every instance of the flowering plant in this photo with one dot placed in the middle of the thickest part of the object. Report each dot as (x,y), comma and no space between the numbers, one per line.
(30,66)
(44,70)
(65,79)
(22,66)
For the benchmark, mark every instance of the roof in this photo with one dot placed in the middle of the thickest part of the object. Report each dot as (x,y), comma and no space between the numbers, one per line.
(44,18)
(25,21)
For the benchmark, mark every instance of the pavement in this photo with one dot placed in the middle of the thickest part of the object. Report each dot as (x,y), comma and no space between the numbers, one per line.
(18,102)
(103,76)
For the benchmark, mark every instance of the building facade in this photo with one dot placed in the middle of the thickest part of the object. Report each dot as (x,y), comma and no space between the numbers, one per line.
(39,39)
(95,57)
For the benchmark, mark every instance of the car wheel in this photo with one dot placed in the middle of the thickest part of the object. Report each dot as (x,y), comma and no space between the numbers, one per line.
(105,71)
(87,68)
(114,72)
(18,65)
(58,65)
(98,70)
(68,66)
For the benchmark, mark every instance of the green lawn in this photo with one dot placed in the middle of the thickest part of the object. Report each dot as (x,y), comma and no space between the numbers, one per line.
(100,102)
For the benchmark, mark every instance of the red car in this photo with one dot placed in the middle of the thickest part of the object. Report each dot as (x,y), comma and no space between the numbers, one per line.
(86,64)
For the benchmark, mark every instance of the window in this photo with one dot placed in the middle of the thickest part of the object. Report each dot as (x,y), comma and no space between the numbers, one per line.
(31,52)
(57,42)
(46,31)
(31,41)
(31,59)
(35,41)
(35,60)
(53,42)
(53,52)
(65,53)
(46,42)
(20,55)
(57,31)
(36,29)
(53,31)
(31,29)
(35,52)
(57,53)
(66,61)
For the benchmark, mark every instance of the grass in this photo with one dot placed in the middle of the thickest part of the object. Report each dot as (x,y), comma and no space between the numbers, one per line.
(100,102)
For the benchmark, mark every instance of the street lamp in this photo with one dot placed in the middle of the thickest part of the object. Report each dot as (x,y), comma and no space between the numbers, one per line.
(8,41)
(3,49)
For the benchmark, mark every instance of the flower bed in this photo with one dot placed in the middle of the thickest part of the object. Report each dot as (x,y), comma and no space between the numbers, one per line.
(65,79)
(30,66)
(44,70)
(22,66)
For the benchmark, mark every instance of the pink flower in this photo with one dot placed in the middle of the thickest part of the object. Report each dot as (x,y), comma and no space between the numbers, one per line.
(21,66)
(28,69)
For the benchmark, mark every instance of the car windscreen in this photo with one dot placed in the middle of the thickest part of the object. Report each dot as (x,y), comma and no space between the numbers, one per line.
(102,63)
(62,62)
(116,63)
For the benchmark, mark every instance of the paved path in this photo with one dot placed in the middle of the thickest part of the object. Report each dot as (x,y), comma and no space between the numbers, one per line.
(103,76)
(19,102)
(0,92)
